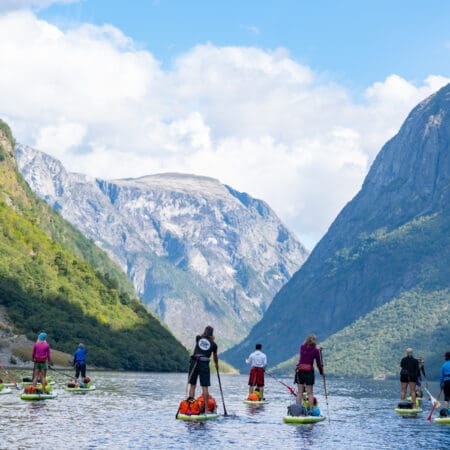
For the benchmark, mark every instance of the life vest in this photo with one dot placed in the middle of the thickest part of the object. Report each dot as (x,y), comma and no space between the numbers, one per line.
(253,397)
(30,389)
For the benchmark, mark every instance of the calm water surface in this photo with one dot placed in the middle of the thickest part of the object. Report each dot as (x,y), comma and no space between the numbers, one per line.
(137,410)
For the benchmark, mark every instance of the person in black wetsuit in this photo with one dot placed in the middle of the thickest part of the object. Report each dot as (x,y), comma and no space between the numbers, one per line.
(409,375)
(199,363)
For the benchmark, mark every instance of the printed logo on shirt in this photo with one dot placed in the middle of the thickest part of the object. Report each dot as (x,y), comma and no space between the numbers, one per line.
(204,344)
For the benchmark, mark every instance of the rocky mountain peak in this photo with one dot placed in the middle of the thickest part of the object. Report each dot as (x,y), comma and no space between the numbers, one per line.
(197,251)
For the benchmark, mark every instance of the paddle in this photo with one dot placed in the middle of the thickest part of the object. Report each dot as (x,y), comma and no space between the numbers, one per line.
(324,382)
(434,402)
(221,392)
(81,383)
(17,386)
(186,389)
(290,388)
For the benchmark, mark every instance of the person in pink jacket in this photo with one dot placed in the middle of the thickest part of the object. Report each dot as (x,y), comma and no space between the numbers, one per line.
(41,356)
(304,374)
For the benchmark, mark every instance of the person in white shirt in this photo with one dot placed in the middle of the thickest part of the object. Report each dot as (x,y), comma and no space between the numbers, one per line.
(258,362)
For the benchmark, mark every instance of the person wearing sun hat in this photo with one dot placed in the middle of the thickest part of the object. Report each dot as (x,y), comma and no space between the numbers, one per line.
(41,356)
(199,363)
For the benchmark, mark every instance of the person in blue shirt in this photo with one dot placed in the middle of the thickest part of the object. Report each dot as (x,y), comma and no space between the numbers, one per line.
(444,379)
(79,361)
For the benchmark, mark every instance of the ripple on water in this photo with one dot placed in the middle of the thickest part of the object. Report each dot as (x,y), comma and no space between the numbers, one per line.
(137,410)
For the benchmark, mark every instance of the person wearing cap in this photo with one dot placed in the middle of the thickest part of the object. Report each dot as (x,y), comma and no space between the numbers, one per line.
(199,363)
(41,356)
(409,375)
(444,379)
(79,361)
(258,362)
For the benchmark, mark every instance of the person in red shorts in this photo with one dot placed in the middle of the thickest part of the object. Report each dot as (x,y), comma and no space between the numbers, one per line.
(258,362)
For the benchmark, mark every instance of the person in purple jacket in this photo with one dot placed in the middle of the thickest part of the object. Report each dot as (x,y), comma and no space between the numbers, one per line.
(304,374)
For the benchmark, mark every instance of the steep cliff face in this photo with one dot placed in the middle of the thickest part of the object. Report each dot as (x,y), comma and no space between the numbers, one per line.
(392,238)
(197,251)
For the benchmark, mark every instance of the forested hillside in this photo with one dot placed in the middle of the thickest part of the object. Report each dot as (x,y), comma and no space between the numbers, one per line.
(53,279)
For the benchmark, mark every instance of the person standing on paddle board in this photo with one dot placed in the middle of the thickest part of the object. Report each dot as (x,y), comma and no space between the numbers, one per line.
(419,393)
(304,374)
(79,361)
(258,362)
(444,379)
(199,363)
(41,356)
(409,375)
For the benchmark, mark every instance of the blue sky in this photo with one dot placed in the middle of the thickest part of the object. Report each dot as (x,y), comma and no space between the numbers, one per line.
(289,101)
(351,41)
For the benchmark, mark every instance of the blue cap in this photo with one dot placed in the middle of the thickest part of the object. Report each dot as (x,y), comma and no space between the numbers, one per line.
(42,336)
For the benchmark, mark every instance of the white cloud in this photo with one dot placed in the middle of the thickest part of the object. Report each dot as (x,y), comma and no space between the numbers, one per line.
(257,120)
(23,4)
(252,28)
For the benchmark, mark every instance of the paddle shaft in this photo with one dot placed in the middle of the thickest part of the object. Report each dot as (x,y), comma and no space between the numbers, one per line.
(324,383)
(290,388)
(10,377)
(63,373)
(221,392)
(187,384)
(434,405)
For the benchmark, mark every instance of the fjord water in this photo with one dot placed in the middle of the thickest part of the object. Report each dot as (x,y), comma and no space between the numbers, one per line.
(137,410)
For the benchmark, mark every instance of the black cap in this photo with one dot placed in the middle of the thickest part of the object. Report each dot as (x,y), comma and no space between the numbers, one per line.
(209,331)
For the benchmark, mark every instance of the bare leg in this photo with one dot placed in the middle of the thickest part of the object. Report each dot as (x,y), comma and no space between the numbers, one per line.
(261,390)
(205,393)
(250,388)
(403,392)
(35,377)
(300,390)
(43,380)
(309,391)
(192,390)
(412,389)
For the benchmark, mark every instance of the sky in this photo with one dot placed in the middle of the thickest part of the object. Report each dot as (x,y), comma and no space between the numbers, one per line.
(289,101)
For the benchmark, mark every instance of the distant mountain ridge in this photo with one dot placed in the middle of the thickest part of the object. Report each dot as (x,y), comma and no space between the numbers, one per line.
(197,251)
(391,243)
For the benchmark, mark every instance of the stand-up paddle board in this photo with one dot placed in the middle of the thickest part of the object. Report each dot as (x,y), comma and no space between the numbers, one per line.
(197,417)
(36,397)
(80,390)
(256,402)
(410,412)
(444,420)
(303,419)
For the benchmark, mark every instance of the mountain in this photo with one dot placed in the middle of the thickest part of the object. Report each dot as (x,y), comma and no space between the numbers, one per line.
(53,278)
(198,252)
(380,276)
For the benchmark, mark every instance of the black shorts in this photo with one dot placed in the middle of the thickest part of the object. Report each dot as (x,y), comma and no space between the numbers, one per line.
(405,378)
(447,390)
(304,377)
(199,369)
